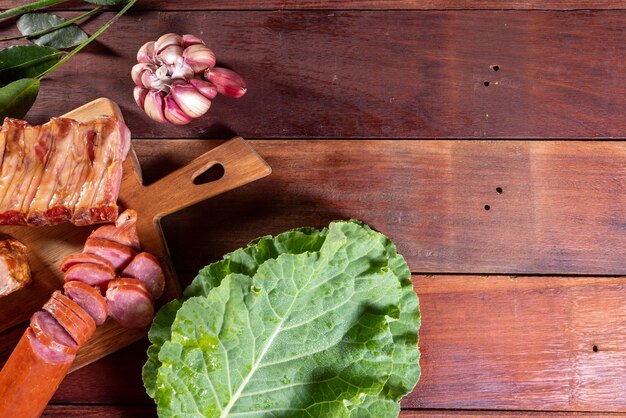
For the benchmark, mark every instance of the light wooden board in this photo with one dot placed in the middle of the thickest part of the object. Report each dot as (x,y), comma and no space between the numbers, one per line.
(48,246)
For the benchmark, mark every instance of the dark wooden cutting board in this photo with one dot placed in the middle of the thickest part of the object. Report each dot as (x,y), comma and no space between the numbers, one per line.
(48,246)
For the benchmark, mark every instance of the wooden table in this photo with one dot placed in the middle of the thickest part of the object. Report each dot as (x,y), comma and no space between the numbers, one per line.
(480,135)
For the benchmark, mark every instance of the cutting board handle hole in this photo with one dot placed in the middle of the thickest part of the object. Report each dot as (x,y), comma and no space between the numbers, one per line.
(213,173)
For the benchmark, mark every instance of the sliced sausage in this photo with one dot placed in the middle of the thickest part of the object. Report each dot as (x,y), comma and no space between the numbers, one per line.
(129,305)
(147,269)
(50,333)
(132,282)
(30,377)
(123,232)
(46,353)
(91,274)
(79,311)
(89,298)
(74,259)
(119,255)
(68,319)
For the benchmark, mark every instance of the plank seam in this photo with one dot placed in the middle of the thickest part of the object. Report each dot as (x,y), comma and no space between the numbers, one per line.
(543,411)
(476,139)
(353,10)
(509,275)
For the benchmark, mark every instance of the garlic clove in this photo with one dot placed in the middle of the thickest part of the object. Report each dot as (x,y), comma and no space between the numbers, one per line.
(190,100)
(153,106)
(140,93)
(170,54)
(199,57)
(207,89)
(137,72)
(147,79)
(228,82)
(146,52)
(181,70)
(174,114)
(188,40)
(165,41)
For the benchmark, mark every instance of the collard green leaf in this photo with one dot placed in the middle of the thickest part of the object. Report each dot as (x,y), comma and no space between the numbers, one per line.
(276,343)
(244,260)
(247,260)
(375,407)
(331,280)
(26,61)
(159,333)
(106,2)
(65,37)
(18,97)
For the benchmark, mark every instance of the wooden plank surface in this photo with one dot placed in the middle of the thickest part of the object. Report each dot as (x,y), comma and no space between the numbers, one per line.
(358,5)
(487,343)
(492,345)
(388,74)
(527,343)
(561,210)
(122,411)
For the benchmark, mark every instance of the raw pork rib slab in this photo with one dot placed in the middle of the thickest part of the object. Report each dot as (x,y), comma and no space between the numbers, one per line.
(62,171)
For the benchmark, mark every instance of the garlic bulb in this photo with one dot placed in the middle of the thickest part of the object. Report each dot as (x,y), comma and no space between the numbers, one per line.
(176,79)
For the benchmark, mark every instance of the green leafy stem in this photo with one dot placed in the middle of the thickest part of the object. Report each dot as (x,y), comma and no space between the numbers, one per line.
(88,40)
(54,28)
(25,8)
(26,65)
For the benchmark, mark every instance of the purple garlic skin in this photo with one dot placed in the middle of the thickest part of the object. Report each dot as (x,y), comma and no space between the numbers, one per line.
(175,79)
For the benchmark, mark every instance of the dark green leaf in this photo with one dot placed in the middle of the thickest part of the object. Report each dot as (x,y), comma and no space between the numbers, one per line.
(25,8)
(66,37)
(18,97)
(26,61)
(106,2)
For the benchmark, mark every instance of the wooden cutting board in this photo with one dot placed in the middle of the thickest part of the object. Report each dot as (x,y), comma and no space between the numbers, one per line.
(48,246)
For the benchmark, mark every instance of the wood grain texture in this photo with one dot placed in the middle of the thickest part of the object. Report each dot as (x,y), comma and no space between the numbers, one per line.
(115,379)
(561,210)
(523,343)
(487,343)
(385,74)
(99,411)
(357,4)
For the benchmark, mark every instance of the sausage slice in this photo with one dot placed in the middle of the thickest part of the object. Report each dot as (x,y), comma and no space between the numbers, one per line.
(79,258)
(70,320)
(130,303)
(51,334)
(146,268)
(89,299)
(79,311)
(117,254)
(91,274)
